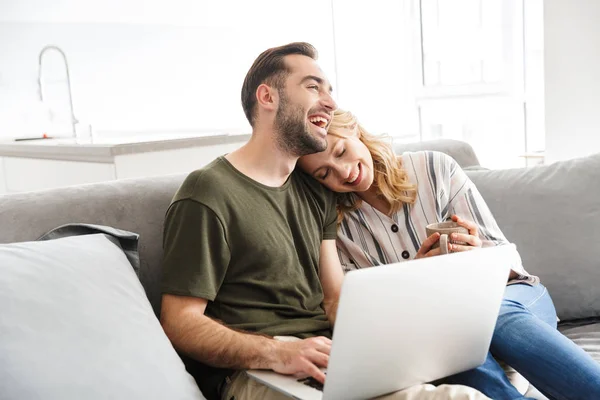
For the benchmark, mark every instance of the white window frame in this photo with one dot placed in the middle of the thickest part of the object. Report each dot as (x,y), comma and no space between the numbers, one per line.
(512,88)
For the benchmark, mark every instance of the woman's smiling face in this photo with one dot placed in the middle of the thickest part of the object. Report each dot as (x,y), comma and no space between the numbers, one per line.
(346,165)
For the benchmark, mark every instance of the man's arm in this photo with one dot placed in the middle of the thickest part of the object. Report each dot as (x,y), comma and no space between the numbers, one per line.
(204,339)
(331,275)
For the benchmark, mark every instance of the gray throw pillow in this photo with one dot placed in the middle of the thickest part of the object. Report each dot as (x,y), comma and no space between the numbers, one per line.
(552,214)
(75,323)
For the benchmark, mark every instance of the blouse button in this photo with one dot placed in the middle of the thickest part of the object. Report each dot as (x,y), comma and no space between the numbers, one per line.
(405,254)
(394,228)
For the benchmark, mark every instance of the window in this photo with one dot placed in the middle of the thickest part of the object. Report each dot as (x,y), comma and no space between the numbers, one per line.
(480,76)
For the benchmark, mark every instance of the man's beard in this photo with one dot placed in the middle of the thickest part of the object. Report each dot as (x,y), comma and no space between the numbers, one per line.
(293,134)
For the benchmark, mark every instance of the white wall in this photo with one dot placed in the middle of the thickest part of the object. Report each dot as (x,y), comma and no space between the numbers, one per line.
(148,65)
(142,66)
(375,64)
(572,78)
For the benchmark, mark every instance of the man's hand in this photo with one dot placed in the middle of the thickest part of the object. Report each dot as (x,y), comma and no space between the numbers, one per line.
(204,339)
(471,239)
(302,357)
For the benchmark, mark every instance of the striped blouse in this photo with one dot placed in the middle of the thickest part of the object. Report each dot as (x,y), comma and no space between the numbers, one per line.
(367,237)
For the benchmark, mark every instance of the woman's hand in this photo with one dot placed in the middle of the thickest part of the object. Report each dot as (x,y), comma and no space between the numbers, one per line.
(471,239)
(426,250)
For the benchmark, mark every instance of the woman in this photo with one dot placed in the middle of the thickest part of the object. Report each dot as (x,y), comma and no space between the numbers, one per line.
(384,205)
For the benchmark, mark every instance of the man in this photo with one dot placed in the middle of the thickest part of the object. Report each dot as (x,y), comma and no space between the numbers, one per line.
(244,235)
(250,241)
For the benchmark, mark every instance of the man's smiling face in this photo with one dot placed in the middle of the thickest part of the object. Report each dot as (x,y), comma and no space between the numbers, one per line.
(305,107)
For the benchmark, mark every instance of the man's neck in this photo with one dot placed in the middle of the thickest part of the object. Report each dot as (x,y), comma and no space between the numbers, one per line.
(263,161)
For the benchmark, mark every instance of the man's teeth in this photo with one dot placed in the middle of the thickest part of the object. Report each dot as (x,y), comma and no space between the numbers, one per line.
(320,121)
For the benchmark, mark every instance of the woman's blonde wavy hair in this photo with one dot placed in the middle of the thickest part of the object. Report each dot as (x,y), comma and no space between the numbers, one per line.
(390,178)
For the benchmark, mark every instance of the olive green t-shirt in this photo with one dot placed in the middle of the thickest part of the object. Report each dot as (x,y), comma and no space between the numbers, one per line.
(251,250)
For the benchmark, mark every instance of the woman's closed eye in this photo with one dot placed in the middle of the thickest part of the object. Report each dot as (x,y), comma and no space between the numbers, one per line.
(324,174)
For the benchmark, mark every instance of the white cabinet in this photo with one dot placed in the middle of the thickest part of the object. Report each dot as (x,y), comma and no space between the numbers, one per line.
(26,174)
(30,166)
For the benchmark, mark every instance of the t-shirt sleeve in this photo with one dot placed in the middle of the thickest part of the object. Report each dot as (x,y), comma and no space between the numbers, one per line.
(330,226)
(196,252)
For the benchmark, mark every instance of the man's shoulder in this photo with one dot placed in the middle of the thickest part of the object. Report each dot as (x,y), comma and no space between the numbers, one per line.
(205,182)
(307,182)
(324,197)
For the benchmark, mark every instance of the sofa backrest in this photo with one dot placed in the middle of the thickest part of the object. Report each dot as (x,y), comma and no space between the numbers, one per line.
(136,205)
(462,152)
(552,213)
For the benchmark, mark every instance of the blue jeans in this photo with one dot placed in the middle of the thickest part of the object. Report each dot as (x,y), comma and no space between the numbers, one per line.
(526,338)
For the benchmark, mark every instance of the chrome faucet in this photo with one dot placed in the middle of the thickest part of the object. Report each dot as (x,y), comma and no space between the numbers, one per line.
(40,86)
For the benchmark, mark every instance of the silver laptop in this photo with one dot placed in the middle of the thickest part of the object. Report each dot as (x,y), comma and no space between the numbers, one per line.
(409,323)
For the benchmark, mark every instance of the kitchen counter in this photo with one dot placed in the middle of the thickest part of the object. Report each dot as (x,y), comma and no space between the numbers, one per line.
(105,149)
(48,163)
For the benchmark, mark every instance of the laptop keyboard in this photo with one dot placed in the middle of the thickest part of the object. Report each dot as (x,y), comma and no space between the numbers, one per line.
(312,382)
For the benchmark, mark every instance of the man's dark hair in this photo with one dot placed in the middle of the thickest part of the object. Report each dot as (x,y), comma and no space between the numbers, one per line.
(269,67)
